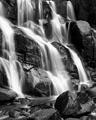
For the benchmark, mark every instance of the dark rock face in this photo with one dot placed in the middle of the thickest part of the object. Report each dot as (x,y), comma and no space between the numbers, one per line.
(83,39)
(10,10)
(70,105)
(27,50)
(6,95)
(85,10)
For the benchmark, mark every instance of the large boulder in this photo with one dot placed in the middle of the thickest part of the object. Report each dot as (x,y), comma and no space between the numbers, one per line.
(83,38)
(37,83)
(74,105)
(6,95)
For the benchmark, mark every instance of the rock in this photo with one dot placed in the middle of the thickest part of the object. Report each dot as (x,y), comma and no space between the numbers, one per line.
(84,27)
(66,58)
(61,7)
(7,95)
(92,91)
(75,37)
(85,10)
(83,40)
(14,114)
(28,51)
(45,88)
(43,114)
(10,10)
(70,105)
(37,83)
(62,102)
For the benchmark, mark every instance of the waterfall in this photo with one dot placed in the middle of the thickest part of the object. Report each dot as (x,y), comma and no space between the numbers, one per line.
(2,9)
(56,23)
(8,49)
(51,58)
(25,10)
(54,66)
(70,11)
(81,71)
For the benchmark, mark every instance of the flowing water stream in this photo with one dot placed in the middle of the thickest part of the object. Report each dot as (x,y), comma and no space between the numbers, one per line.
(51,60)
(8,48)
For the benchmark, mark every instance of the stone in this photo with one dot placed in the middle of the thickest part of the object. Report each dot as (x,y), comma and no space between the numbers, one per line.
(28,51)
(43,114)
(84,27)
(37,83)
(70,105)
(65,55)
(82,38)
(6,95)
(10,7)
(84,10)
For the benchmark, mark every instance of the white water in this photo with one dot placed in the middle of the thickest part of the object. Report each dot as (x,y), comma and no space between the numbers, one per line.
(40,9)
(51,59)
(25,10)
(70,11)
(8,48)
(57,72)
(55,23)
(55,68)
(2,9)
(81,71)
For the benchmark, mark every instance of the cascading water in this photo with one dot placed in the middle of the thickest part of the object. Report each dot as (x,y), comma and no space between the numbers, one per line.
(25,10)
(1,9)
(81,71)
(8,49)
(51,59)
(70,11)
(54,68)
(56,72)
(55,23)
(71,16)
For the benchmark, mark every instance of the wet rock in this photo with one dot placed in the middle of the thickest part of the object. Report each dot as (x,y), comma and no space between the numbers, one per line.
(45,88)
(43,114)
(7,95)
(37,83)
(14,114)
(27,50)
(67,104)
(44,85)
(61,7)
(66,58)
(10,7)
(75,37)
(85,10)
(70,105)
(84,27)
(82,38)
